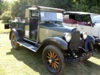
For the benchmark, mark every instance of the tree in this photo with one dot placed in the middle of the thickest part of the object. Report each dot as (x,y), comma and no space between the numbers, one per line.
(1,6)
(65,4)
(18,9)
(87,5)
(4,6)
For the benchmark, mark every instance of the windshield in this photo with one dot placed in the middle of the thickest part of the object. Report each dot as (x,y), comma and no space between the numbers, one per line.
(51,16)
(95,18)
(83,18)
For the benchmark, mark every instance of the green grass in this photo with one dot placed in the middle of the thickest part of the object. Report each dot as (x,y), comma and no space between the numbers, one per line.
(26,62)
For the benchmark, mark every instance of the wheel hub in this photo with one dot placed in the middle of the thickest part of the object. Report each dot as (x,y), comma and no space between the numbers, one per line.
(50,60)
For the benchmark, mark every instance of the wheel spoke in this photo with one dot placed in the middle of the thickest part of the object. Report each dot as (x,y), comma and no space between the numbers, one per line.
(56,62)
(51,53)
(14,40)
(48,57)
(14,43)
(53,60)
(56,65)
(56,59)
(52,65)
(55,56)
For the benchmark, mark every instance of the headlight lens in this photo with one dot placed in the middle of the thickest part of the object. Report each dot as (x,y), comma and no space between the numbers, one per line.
(84,35)
(68,37)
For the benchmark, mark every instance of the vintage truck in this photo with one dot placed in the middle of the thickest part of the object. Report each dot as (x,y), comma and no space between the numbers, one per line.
(84,22)
(43,30)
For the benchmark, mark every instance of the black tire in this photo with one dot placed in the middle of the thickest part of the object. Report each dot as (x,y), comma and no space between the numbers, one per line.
(53,59)
(14,43)
(90,48)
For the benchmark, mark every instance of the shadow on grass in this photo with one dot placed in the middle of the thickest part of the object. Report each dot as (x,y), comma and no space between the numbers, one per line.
(34,61)
(97,55)
(82,68)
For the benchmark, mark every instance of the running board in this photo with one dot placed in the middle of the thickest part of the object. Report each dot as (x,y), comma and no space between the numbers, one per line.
(28,46)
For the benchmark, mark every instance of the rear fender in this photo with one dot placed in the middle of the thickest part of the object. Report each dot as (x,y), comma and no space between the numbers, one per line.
(56,41)
(89,39)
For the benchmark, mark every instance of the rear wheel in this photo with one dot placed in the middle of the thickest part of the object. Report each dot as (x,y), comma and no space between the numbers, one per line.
(14,43)
(53,59)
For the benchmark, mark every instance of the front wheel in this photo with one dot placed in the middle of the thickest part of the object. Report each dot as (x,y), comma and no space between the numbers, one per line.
(90,46)
(53,59)
(90,49)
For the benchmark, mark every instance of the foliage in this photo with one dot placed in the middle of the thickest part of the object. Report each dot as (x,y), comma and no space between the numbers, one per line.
(95,9)
(87,5)
(18,8)
(4,6)
(77,7)
(6,16)
(1,6)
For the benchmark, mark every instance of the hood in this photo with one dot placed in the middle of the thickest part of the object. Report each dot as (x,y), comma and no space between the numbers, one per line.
(64,29)
(97,25)
(59,27)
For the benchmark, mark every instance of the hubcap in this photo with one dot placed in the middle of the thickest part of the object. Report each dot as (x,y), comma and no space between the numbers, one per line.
(53,60)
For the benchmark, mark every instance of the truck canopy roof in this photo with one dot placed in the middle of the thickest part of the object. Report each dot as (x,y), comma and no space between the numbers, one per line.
(42,8)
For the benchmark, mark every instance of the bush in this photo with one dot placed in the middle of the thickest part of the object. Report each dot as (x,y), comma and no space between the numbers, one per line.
(6,16)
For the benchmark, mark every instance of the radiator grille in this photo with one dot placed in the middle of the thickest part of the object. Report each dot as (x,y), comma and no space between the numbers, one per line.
(75,41)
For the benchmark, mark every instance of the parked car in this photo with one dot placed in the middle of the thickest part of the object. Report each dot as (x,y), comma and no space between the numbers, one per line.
(43,30)
(84,22)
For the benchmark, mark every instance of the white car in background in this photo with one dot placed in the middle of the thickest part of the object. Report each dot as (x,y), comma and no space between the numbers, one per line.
(89,23)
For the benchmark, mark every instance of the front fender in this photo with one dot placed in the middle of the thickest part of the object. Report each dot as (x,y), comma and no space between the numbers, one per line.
(16,33)
(56,41)
(89,39)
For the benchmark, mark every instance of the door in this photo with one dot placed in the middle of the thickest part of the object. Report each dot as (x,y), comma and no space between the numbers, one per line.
(27,29)
(31,26)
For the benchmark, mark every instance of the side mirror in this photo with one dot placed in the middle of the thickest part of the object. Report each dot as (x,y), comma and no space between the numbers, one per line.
(6,26)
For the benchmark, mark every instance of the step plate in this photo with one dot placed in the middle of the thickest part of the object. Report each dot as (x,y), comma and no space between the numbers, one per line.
(27,45)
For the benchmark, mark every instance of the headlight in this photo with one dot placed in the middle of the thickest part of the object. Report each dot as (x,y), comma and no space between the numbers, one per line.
(84,35)
(68,37)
